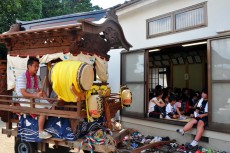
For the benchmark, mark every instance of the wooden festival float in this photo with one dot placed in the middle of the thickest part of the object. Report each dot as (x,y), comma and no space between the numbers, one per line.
(83,38)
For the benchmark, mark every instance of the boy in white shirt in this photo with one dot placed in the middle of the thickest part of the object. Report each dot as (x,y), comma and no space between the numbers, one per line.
(171,109)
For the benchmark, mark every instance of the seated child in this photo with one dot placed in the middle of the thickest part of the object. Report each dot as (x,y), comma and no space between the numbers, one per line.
(201,119)
(181,108)
(156,105)
(173,112)
(171,109)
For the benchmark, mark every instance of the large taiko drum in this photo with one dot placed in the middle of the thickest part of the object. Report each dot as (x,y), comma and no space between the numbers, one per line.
(85,77)
(67,75)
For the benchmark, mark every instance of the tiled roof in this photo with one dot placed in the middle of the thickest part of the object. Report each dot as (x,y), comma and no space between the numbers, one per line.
(92,16)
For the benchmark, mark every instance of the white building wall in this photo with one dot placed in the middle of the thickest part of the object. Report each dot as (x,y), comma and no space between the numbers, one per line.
(114,70)
(133,22)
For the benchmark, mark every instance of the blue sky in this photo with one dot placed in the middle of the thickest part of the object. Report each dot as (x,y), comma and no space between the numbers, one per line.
(106,3)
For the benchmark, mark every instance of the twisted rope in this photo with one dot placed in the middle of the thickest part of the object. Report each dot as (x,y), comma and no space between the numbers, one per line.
(100,137)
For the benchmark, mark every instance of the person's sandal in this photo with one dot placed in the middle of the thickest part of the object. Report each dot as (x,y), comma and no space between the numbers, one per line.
(44,135)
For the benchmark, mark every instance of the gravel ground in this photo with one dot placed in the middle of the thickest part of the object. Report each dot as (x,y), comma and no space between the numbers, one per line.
(6,144)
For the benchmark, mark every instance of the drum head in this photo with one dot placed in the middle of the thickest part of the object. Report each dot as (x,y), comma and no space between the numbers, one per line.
(86,77)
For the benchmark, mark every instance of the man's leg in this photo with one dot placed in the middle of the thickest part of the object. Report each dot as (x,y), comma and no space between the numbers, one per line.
(41,123)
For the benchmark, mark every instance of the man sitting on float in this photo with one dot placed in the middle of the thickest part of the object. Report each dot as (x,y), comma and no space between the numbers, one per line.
(28,85)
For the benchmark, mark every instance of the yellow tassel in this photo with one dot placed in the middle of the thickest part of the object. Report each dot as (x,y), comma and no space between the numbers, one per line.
(94,88)
(121,89)
(88,94)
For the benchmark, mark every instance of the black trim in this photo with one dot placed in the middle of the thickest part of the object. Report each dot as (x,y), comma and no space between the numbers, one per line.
(79,75)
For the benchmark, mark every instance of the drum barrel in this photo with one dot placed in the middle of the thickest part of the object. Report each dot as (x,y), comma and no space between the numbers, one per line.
(71,77)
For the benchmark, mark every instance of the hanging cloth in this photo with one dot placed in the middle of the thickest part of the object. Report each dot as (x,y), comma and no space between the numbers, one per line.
(15,66)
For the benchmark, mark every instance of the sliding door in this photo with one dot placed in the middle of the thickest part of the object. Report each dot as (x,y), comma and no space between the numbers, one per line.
(219,81)
(133,75)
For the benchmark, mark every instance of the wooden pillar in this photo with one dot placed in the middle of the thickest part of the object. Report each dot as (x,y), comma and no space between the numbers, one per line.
(107,114)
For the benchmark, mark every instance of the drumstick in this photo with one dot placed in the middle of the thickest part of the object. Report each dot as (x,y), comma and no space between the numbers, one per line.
(43,84)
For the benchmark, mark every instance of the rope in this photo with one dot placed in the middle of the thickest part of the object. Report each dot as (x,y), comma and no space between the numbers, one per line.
(99,137)
(103,90)
(88,94)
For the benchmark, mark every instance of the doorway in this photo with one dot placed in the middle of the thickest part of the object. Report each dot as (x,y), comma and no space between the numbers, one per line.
(178,67)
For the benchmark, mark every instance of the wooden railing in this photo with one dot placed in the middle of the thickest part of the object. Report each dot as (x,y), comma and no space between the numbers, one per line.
(58,108)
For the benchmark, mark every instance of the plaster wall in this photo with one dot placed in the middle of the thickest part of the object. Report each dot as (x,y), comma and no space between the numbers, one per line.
(133,21)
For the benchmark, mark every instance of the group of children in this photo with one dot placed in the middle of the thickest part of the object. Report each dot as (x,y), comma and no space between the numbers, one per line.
(169,106)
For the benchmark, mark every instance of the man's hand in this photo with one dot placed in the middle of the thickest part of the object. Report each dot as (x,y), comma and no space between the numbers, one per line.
(39,94)
(51,101)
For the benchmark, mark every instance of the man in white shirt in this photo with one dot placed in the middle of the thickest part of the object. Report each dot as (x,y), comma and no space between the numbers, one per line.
(28,85)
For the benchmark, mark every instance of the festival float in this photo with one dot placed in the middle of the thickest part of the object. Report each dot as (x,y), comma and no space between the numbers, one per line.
(75,59)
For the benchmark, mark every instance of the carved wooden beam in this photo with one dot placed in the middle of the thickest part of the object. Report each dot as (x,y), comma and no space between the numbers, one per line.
(100,38)
(40,51)
(91,43)
(111,29)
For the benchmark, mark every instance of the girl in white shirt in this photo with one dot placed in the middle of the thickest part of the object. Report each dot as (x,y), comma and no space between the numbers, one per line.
(201,119)
(156,105)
